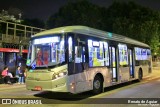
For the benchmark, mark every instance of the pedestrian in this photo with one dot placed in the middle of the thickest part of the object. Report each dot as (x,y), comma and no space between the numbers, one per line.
(17,74)
(5,76)
(20,75)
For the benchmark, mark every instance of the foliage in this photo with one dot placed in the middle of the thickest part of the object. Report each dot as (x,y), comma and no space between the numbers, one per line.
(34,22)
(79,13)
(137,22)
(125,18)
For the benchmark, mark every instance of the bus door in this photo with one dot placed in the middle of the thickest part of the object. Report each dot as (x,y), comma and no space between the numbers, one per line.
(81,76)
(113,63)
(131,68)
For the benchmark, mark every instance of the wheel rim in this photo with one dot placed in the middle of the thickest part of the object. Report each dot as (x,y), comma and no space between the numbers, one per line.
(97,84)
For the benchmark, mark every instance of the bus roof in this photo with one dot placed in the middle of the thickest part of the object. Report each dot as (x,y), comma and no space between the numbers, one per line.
(92,32)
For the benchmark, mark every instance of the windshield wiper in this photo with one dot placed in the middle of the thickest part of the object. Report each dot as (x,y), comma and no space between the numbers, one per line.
(33,61)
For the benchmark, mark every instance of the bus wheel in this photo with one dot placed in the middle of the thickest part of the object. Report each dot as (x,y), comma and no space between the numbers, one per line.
(140,75)
(97,85)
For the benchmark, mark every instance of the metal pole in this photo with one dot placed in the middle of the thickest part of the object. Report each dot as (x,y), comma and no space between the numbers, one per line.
(14,31)
(25,32)
(7,29)
(31,31)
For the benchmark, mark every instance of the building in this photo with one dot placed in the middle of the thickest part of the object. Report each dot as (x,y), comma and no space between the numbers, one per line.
(13,37)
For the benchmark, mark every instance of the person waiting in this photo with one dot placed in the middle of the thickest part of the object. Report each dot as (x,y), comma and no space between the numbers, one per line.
(20,74)
(5,76)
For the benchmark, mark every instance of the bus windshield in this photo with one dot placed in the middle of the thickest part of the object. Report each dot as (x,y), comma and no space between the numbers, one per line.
(47,51)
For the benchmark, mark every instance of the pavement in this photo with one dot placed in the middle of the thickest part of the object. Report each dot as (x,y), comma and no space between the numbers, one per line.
(11,86)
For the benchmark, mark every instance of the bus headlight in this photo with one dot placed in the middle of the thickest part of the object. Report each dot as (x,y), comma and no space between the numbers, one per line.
(61,74)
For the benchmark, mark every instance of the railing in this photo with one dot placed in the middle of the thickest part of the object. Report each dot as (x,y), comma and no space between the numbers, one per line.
(19,29)
(14,33)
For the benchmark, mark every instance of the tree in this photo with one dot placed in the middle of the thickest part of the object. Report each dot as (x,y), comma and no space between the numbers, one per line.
(125,18)
(78,13)
(135,21)
(17,13)
(34,22)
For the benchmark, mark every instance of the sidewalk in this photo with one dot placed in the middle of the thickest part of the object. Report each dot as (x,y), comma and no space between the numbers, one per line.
(10,86)
(156,68)
(155,73)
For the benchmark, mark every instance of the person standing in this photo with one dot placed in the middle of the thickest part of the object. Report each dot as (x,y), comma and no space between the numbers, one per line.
(6,76)
(21,75)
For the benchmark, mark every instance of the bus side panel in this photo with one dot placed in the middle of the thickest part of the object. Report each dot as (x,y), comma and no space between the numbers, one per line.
(82,82)
(71,83)
(136,71)
(102,70)
(145,69)
(124,74)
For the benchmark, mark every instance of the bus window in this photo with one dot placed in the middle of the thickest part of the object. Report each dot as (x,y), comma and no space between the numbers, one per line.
(46,56)
(49,51)
(123,54)
(148,54)
(138,53)
(144,54)
(70,48)
(79,54)
(106,54)
(96,54)
(58,53)
(39,57)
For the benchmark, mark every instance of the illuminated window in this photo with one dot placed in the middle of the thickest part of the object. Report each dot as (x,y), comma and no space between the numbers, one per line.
(58,51)
(79,54)
(138,53)
(47,51)
(106,52)
(96,53)
(123,54)
(142,54)
(70,46)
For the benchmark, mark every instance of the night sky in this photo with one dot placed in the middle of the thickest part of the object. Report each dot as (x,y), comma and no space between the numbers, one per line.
(44,8)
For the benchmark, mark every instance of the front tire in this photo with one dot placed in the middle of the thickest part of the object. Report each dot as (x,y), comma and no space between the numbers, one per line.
(97,85)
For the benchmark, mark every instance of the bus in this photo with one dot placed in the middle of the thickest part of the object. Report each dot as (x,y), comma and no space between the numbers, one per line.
(76,59)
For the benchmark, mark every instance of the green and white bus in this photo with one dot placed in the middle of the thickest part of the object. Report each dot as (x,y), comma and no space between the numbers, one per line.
(78,58)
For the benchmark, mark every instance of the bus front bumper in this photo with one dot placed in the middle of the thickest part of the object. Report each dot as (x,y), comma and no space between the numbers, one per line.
(50,85)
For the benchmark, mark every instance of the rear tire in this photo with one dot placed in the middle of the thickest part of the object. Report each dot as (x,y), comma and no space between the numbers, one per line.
(140,75)
(97,85)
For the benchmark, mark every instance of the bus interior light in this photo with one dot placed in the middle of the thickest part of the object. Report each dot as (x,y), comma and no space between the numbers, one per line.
(95,43)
